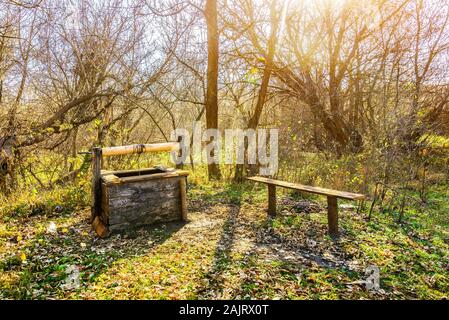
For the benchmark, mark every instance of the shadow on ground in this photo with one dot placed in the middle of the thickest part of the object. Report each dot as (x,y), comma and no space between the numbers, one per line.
(250,244)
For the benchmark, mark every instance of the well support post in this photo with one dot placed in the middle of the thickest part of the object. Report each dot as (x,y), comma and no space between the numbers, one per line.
(96,183)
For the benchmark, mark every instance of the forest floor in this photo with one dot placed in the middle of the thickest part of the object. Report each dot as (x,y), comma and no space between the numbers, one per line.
(229,249)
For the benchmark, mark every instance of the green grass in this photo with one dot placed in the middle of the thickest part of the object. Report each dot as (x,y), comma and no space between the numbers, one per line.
(228,250)
(58,201)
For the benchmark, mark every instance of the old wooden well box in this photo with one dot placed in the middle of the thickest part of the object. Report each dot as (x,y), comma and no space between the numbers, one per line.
(129,199)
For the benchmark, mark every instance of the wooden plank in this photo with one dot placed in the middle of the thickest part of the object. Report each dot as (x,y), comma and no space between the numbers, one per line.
(162,216)
(111,179)
(315,190)
(146,213)
(143,189)
(96,184)
(332,216)
(271,200)
(136,172)
(140,198)
(140,148)
(182,198)
(138,202)
(154,176)
(131,225)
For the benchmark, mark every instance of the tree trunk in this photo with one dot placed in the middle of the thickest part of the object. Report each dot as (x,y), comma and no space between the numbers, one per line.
(210,13)
(269,56)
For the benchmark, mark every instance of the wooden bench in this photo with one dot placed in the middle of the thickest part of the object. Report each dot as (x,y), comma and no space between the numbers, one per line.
(332,196)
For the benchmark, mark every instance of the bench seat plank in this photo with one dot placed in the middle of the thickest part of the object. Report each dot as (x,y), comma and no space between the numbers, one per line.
(316,190)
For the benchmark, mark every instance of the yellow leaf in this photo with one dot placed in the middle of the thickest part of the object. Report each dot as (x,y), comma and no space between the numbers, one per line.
(19,238)
(23,257)
(65,230)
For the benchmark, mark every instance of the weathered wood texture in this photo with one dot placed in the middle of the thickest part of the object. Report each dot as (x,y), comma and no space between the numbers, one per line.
(96,184)
(133,201)
(140,148)
(316,190)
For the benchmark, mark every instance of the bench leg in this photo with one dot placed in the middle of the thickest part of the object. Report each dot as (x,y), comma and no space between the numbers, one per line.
(271,200)
(332,216)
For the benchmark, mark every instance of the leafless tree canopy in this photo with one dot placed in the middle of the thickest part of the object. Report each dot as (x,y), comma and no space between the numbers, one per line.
(338,78)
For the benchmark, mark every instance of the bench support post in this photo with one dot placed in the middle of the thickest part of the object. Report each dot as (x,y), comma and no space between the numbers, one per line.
(271,200)
(332,215)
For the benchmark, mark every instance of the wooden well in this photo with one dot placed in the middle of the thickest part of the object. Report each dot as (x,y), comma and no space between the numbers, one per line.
(136,198)
(123,200)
